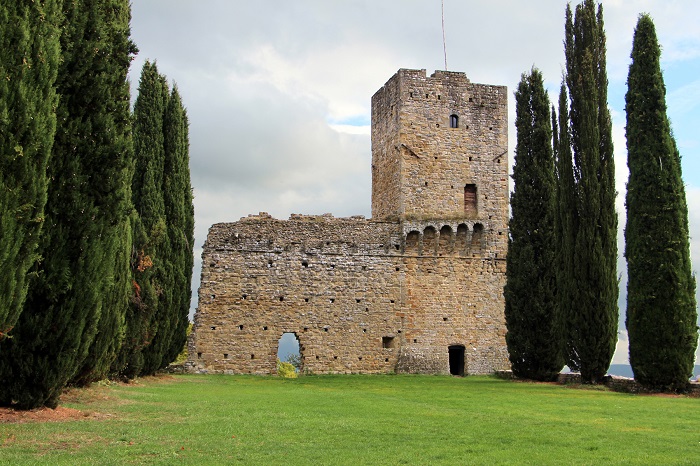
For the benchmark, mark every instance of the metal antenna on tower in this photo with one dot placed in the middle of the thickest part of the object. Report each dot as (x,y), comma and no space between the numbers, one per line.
(444,44)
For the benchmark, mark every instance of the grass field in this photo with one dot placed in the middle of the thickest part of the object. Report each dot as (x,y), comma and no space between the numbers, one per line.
(356,420)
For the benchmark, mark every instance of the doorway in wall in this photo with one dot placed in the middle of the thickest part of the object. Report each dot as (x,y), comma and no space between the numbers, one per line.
(456,353)
(288,349)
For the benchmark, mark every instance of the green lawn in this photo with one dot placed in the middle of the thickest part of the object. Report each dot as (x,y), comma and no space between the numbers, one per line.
(353,419)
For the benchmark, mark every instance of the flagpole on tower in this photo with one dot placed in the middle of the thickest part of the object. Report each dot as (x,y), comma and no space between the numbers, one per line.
(444,43)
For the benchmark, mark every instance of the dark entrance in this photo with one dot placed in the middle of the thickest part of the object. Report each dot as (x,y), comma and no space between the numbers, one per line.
(456,353)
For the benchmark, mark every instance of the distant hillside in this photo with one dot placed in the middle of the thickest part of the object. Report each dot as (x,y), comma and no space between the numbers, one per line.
(625,370)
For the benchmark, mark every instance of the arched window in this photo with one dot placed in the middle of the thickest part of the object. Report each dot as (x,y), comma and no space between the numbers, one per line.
(461,239)
(412,242)
(429,241)
(445,243)
(454,121)
(477,236)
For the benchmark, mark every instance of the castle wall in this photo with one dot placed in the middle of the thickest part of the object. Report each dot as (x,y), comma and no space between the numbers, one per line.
(418,288)
(358,295)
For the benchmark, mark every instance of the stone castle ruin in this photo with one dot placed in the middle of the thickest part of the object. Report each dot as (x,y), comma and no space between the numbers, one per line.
(417,288)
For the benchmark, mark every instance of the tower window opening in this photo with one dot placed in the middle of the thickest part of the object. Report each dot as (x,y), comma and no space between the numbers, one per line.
(470,199)
(454,121)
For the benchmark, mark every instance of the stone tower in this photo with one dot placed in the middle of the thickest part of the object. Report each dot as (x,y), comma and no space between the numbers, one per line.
(417,288)
(439,149)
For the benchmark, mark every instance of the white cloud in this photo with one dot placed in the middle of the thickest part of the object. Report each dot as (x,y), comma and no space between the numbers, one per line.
(352,129)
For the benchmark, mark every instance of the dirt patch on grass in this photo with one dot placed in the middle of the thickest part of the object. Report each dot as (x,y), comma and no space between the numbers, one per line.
(83,396)
(60,414)
(98,394)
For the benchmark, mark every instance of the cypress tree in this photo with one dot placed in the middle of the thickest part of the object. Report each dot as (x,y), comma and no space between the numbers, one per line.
(129,359)
(112,324)
(661,307)
(594,316)
(179,212)
(115,298)
(86,208)
(29,56)
(534,337)
(175,259)
(149,226)
(565,227)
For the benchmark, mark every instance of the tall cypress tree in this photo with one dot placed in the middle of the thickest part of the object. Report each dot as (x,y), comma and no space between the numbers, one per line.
(129,359)
(149,229)
(29,56)
(115,297)
(179,212)
(661,307)
(565,228)
(594,316)
(534,338)
(87,204)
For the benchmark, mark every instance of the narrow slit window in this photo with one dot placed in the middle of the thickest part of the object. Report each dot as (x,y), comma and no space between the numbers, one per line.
(470,199)
(454,121)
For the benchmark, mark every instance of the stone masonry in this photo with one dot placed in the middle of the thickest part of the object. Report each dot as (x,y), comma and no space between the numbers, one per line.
(417,288)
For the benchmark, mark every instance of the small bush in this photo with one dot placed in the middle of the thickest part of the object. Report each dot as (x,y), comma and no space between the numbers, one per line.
(285,369)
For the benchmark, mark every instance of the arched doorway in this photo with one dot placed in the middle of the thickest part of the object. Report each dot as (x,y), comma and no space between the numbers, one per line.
(456,354)
(288,349)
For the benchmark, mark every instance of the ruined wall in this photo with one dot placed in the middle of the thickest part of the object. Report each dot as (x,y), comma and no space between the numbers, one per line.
(357,294)
(330,281)
(418,288)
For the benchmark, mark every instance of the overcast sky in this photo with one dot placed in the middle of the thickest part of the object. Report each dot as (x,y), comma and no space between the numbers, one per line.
(278,92)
